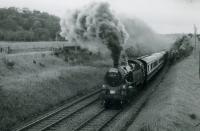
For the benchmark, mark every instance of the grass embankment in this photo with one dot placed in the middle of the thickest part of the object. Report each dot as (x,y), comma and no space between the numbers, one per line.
(175,105)
(38,82)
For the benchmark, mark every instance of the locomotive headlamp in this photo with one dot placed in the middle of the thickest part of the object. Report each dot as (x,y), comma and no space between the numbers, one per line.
(103,86)
(130,87)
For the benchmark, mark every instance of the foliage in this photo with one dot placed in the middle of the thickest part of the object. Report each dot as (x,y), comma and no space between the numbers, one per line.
(29,90)
(181,48)
(76,55)
(26,25)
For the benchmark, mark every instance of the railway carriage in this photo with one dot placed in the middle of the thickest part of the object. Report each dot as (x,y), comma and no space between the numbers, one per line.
(152,64)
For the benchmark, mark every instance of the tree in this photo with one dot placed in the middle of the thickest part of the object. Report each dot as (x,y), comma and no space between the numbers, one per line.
(26,25)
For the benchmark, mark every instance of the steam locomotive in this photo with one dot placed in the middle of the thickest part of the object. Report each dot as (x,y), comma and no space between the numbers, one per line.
(120,83)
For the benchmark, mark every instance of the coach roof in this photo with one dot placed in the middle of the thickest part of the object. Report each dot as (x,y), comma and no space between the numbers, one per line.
(153,57)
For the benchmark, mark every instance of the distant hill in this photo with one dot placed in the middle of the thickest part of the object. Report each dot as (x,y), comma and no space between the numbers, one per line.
(26,25)
(173,36)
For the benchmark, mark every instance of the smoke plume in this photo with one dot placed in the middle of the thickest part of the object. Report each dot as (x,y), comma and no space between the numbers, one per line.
(96,22)
(143,40)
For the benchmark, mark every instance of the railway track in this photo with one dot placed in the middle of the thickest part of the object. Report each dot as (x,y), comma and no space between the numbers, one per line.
(98,121)
(53,118)
(87,114)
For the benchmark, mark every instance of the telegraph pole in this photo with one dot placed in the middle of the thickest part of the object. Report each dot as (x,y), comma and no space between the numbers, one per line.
(199,57)
(196,50)
(195,41)
(199,53)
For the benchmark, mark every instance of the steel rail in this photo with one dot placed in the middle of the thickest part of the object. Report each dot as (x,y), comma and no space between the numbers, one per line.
(67,116)
(90,119)
(56,111)
(95,117)
(109,120)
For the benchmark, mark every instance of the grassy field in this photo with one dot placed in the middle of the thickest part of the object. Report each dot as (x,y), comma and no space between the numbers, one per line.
(19,47)
(33,80)
(175,105)
(37,81)
(26,45)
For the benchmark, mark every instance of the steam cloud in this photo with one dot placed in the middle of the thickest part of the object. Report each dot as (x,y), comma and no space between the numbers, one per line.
(142,39)
(96,22)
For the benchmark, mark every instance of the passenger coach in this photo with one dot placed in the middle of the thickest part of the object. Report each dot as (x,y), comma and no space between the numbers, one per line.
(153,63)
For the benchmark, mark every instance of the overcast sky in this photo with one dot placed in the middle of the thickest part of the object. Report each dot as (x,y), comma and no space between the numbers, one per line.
(163,16)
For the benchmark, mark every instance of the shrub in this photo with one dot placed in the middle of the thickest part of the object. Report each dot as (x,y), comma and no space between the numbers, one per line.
(76,56)
(181,48)
(8,62)
(34,62)
(41,64)
(193,116)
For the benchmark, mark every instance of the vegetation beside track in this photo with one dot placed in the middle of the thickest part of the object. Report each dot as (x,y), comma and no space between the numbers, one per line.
(175,103)
(39,81)
(181,48)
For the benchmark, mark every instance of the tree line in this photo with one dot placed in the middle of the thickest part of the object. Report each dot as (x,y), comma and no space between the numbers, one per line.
(181,48)
(26,25)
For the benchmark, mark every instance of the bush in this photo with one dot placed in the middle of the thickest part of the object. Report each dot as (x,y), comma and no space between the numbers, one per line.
(76,56)
(9,63)
(181,48)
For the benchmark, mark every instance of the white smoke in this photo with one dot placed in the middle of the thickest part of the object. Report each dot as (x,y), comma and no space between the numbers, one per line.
(142,38)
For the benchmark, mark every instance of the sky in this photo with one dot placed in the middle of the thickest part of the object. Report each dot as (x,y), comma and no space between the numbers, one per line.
(163,16)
